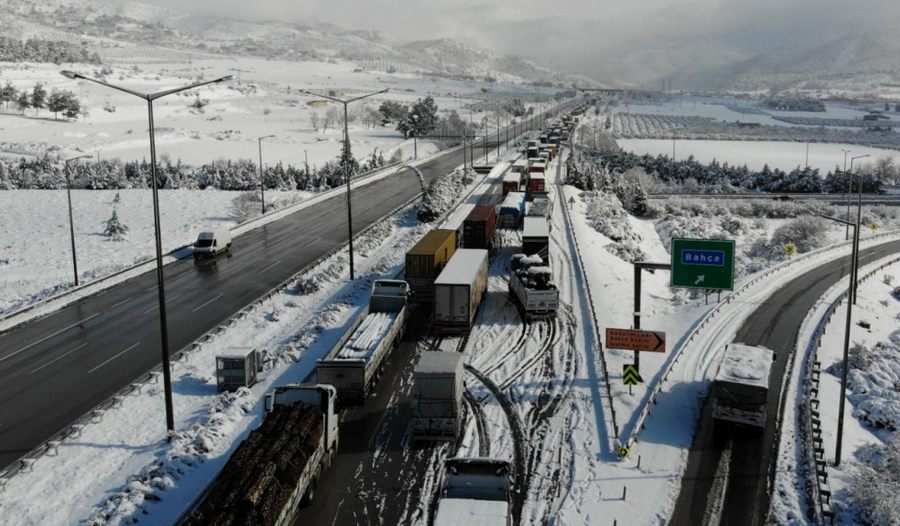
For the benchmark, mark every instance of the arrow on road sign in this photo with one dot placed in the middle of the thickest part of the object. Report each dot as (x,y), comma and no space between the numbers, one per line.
(636,340)
(700,279)
(630,374)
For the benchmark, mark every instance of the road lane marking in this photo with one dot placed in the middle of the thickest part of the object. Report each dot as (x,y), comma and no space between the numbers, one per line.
(45,338)
(60,357)
(262,270)
(121,303)
(153,308)
(114,357)
(198,307)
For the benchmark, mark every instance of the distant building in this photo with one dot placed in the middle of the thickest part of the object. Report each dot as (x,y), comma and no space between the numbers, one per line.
(875,116)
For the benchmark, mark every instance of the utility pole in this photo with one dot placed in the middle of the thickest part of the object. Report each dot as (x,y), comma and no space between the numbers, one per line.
(262,184)
(345,160)
(71,221)
(858,222)
(160,280)
(849,190)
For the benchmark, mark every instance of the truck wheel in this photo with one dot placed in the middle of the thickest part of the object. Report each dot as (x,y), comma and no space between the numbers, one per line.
(310,493)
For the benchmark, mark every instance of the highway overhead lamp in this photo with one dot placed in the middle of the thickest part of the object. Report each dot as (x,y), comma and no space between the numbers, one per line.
(262,185)
(854,263)
(858,221)
(163,325)
(345,159)
(71,222)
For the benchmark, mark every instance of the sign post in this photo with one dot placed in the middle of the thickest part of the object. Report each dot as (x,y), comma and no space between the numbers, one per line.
(703,264)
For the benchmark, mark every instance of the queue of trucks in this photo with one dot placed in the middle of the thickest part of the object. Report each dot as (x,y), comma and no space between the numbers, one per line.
(277,468)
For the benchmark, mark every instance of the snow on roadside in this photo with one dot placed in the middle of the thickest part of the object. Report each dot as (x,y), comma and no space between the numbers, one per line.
(872,399)
(35,253)
(126,469)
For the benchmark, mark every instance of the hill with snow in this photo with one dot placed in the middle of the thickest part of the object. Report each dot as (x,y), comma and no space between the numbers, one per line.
(101,24)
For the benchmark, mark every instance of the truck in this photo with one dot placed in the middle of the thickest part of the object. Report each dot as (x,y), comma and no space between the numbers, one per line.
(740,388)
(511,210)
(459,289)
(536,184)
(211,243)
(539,206)
(426,259)
(479,227)
(511,182)
(437,396)
(531,284)
(275,471)
(536,237)
(354,364)
(474,492)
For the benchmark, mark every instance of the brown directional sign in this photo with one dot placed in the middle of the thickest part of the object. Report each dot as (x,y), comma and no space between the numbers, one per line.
(632,340)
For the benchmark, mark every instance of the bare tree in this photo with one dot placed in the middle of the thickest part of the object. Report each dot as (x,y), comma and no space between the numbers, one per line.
(314,120)
(332,116)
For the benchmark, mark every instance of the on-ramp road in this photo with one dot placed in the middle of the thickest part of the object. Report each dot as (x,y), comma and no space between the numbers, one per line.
(730,470)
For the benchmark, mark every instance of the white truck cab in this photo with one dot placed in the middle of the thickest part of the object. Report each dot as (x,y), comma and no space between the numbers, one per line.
(212,242)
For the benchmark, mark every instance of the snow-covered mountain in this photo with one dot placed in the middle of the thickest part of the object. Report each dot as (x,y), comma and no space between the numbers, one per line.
(868,61)
(139,23)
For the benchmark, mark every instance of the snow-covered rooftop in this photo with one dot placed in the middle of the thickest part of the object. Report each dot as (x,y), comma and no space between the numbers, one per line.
(463,267)
(535,226)
(466,512)
(746,364)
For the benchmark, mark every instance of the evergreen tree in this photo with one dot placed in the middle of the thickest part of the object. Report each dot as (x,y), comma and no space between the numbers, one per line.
(115,230)
(23,101)
(8,94)
(421,119)
(38,97)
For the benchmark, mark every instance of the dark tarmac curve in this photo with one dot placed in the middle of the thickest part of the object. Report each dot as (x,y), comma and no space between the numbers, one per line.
(59,367)
(750,455)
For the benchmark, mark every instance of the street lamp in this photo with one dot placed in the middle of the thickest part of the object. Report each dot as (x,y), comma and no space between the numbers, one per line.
(346,161)
(262,184)
(858,221)
(71,223)
(163,326)
(841,402)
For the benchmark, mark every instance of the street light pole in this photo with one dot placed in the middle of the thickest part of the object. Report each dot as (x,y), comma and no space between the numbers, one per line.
(849,191)
(842,400)
(71,222)
(345,160)
(163,324)
(262,184)
(858,221)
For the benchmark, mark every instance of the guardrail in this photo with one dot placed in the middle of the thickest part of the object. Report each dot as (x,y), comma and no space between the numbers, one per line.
(73,430)
(595,325)
(661,378)
(818,490)
(150,263)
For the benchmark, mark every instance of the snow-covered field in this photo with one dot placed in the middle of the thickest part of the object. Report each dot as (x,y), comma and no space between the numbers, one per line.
(35,247)
(263,99)
(755,154)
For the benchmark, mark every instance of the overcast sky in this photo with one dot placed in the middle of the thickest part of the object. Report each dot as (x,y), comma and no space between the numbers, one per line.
(577,35)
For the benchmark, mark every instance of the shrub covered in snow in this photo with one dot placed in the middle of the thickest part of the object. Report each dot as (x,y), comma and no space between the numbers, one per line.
(806,232)
(115,230)
(605,214)
(440,195)
(875,490)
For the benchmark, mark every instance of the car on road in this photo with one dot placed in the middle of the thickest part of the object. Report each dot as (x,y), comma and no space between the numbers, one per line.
(211,243)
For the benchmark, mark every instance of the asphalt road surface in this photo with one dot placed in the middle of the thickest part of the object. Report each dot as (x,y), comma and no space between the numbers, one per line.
(378,474)
(59,367)
(730,469)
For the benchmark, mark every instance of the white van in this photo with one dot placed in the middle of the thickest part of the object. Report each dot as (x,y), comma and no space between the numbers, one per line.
(212,242)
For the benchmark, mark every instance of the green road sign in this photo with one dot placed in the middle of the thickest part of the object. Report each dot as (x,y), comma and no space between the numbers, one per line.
(630,374)
(703,264)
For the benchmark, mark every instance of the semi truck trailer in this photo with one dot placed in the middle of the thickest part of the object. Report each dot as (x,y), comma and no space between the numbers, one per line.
(740,389)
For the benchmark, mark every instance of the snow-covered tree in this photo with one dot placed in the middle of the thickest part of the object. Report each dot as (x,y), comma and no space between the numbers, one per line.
(421,119)
(115,230)
(38,97)
(23,101)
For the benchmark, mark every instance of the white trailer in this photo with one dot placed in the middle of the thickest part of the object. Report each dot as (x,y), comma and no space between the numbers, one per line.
(531,284)
(475,492)
(354,363)
(276,469)
(740,389)
(437,396)
(459,289)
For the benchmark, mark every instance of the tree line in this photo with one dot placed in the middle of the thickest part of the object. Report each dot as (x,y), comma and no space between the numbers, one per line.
(46,173)
(57,101)
(774,180)
(40,50)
